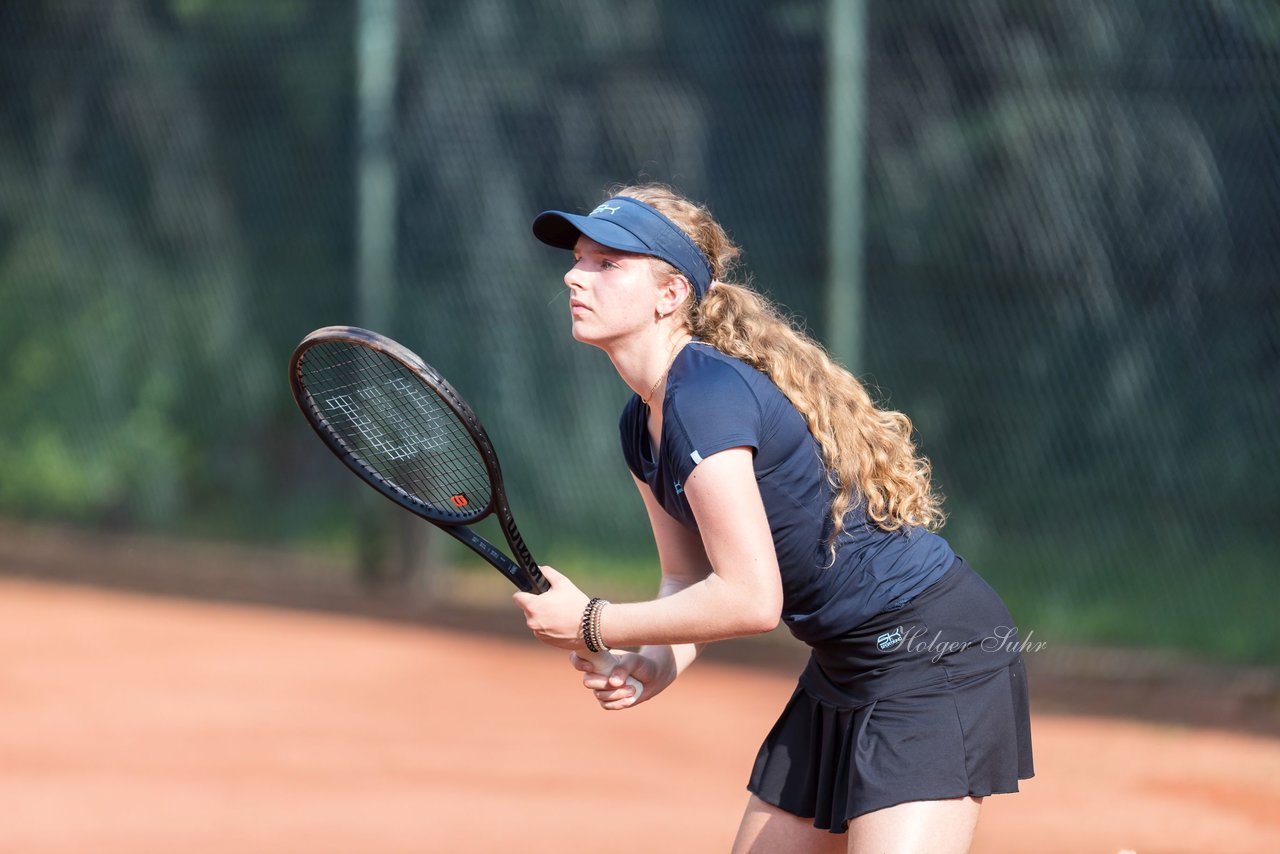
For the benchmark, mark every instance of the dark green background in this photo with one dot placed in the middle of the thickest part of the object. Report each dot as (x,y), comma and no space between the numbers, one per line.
(1071,265)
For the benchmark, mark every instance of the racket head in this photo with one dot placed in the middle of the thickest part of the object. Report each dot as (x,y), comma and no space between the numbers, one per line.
(397,423)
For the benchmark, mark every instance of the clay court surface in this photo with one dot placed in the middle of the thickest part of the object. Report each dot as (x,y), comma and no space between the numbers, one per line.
(137,723)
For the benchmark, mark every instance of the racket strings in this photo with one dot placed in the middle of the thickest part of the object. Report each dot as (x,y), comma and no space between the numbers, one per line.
(397,427)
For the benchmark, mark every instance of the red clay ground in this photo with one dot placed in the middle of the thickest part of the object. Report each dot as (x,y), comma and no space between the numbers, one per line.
(138,723)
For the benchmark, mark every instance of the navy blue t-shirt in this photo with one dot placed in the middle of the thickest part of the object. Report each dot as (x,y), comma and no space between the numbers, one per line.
(714,402)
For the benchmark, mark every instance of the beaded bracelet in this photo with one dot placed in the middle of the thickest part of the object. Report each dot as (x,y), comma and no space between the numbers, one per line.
(596,617)
(591,624)
(586,624)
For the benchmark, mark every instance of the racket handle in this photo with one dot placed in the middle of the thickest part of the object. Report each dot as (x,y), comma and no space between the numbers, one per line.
(604,662)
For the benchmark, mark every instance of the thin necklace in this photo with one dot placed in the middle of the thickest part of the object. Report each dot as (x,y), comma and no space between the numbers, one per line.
(671,360)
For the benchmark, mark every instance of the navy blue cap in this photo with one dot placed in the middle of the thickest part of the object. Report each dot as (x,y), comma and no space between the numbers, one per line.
(629,225)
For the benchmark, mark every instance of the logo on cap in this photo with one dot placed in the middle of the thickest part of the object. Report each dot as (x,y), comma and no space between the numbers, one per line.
(612,209)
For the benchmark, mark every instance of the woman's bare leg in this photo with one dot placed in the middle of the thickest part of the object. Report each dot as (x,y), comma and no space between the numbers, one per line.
(926,827)
(765,829)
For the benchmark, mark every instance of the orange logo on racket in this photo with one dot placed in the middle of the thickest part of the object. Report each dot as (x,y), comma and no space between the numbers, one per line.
(458,500)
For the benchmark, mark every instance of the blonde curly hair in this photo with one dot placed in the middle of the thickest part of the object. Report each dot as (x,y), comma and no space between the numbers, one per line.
(868,451)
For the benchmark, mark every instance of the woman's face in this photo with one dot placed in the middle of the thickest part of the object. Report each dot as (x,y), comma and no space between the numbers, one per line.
(612,294)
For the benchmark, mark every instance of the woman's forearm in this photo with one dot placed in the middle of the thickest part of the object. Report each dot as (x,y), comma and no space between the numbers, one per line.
(677,656)
(708,610)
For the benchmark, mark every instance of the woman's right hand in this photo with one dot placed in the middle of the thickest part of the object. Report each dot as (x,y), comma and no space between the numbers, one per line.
(611,689)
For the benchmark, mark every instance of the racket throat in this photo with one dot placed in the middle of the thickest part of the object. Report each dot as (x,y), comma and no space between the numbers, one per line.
(515,574)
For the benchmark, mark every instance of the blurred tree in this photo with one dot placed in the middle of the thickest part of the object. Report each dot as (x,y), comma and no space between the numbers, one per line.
(1071,262)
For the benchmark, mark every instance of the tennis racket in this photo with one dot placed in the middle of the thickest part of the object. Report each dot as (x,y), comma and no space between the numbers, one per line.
(399,425)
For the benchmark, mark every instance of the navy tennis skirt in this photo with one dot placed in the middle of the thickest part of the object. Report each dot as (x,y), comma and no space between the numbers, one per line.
(925,702)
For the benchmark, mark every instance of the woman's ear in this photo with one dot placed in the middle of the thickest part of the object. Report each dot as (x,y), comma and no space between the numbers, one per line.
(672,293)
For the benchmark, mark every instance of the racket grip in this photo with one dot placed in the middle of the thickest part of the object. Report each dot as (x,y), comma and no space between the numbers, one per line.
(603,663)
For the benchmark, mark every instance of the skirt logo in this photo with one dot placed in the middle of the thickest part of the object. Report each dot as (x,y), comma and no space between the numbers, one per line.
(890,640)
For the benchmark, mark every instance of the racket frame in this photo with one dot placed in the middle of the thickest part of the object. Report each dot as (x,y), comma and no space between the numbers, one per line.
(523,572)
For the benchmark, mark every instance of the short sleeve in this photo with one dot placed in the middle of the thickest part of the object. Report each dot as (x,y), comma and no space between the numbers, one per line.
(710,410)
(630,430)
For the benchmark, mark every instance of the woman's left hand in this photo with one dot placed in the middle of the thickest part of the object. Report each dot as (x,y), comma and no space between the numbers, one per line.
(555,617)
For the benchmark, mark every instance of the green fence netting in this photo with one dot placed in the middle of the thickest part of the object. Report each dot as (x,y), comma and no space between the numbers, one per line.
(1069,273)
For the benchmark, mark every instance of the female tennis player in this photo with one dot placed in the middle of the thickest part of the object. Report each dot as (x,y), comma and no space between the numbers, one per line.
(777,489)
